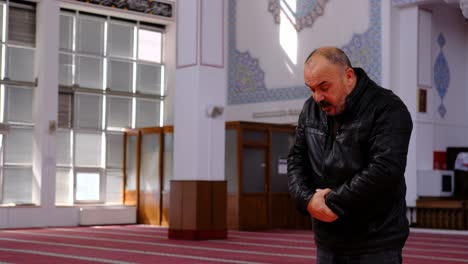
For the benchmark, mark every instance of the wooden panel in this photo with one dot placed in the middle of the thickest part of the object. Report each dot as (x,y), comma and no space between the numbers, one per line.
(189,202)
(130,198)
(233,211)
(165,208)
(204,205)
(441,213)
(280,205)
(219,201)
(439,203)
(149,208)
(175,221)
(253,212)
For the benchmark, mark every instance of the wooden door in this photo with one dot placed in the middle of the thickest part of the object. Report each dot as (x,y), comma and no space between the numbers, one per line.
(253,201)
(149,198)
(281,206)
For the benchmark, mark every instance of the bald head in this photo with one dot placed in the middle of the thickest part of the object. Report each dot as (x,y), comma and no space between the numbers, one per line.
(333,55)
(330,78)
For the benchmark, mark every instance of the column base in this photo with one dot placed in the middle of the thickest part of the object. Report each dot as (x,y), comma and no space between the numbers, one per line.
(196,234)
(198,210)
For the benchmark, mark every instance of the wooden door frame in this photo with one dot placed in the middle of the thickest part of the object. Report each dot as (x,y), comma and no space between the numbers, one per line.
(127,133)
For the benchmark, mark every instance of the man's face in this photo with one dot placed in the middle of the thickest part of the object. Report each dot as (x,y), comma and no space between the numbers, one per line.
(329,84)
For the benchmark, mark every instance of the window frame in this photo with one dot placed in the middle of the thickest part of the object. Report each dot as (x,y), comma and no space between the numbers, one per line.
(106,92)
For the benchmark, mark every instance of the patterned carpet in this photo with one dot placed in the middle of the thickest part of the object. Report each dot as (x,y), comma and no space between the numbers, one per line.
(149,244)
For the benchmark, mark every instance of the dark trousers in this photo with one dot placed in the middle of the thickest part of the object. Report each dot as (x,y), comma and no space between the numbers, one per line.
(383,257)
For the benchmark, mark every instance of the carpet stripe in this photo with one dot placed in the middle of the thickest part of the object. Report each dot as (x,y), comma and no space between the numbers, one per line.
(64,256)
(234,253)
(115,250)
(436,258)
(165,244)
(150,244)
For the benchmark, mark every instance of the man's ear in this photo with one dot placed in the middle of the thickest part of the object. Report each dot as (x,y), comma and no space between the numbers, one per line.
(350,76)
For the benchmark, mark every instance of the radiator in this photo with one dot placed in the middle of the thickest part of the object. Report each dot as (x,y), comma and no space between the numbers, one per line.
(107,215)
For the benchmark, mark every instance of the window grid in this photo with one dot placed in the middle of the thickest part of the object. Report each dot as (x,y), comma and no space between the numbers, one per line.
(16,171)
(107,91)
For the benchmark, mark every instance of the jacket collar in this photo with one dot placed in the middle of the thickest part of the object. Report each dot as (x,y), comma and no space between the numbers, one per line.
(352,100)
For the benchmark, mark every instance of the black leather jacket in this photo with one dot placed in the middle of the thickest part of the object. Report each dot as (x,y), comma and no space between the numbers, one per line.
(363,163)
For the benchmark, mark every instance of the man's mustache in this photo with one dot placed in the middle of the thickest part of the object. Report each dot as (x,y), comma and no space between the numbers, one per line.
(324,104)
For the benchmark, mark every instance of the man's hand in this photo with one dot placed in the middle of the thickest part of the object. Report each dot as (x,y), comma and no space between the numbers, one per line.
(318,209)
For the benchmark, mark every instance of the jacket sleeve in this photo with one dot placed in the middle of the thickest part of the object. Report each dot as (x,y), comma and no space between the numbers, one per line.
(384,174)
(300,181)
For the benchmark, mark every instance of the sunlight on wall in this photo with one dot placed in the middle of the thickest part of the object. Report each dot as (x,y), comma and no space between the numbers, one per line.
(288,37)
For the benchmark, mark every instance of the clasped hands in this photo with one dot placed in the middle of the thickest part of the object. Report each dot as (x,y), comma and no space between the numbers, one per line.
(318,209)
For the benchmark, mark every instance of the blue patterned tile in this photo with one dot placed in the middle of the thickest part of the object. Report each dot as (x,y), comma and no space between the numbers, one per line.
(302,15)
(441,75)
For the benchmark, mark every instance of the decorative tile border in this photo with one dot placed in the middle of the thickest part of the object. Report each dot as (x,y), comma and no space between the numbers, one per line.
(158,8)
(246,80)
(441,75)
(405,2)
(305,15)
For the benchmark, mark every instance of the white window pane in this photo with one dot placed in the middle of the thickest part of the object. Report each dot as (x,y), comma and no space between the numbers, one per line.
(1,20)
(19,105)
(20,64)
(88,109)
(17,185)
(63,147)
(87,149)
(120,75)
(149,79)
(18,146)
(90,35)
(149,45)
(115,150)
(121,40)
(131,163)
(66,69)
(147,113)
(149,169)
(89,72)
(119,111)
(114,183)
(168,160)
(64,186)
(87,186)
(66,32)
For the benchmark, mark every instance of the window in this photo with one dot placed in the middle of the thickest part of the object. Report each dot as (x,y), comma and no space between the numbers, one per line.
(17,87)
(88,186)
(111,77)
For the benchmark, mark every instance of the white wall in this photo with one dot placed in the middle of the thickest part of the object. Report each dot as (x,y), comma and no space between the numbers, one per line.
(453,129)
(170,62)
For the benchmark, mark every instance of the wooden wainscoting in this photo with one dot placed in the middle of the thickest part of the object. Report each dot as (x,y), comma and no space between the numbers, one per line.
(233,211)
(281,210)
(198,210)
(254,212)
(442,213)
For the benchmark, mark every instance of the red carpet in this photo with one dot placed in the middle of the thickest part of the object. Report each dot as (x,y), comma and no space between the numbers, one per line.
(149,244)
